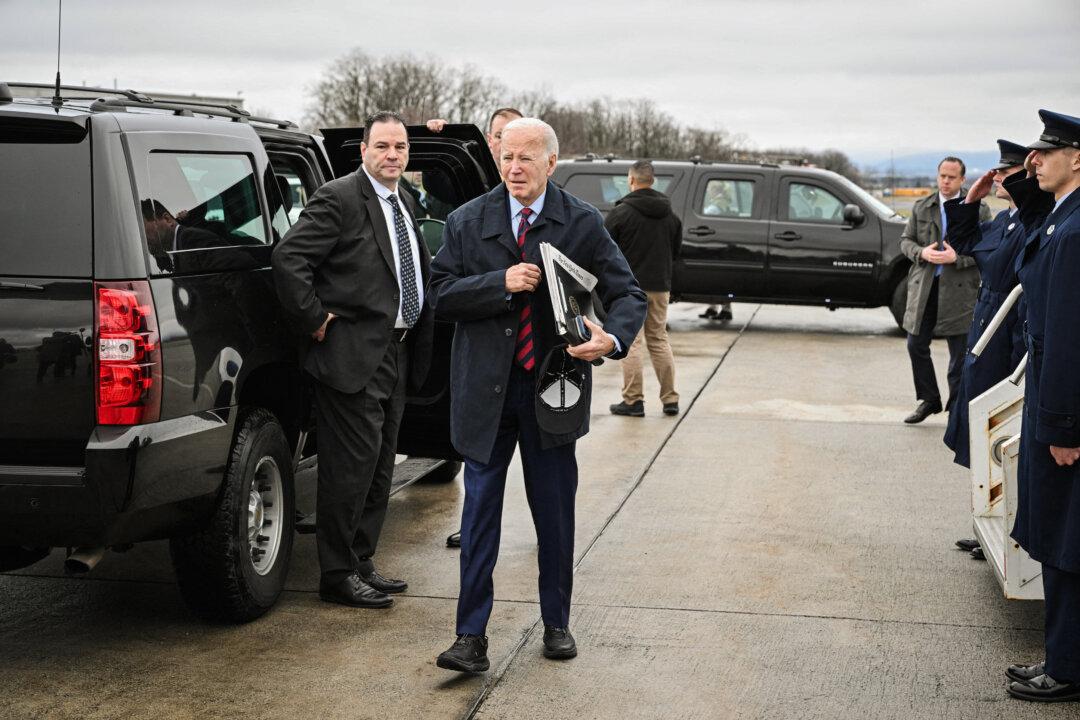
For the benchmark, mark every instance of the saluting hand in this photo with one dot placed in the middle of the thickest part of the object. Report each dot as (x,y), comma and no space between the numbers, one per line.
(1029,163)
(523,277)
(1065,456)
(981,188)
(600,344)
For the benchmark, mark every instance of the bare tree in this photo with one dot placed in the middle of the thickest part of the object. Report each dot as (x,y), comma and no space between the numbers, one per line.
(357,84)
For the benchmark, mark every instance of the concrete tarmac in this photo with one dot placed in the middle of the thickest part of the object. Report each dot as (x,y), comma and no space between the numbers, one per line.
(782,549)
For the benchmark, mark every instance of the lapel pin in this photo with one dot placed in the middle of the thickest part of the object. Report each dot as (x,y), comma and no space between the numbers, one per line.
(1011,226)
(1050,230)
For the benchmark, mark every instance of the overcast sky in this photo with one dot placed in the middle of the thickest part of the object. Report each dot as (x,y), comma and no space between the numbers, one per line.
(864,77)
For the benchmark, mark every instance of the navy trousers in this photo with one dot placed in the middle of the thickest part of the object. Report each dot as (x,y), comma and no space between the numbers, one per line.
(922,367)
(1062,591)
(550,485)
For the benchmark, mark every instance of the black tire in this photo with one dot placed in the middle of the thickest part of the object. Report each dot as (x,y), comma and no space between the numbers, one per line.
(898,301)
(444,473)
(216,569)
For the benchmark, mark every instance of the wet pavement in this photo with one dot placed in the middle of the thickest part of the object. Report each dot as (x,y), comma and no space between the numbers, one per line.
(782,549)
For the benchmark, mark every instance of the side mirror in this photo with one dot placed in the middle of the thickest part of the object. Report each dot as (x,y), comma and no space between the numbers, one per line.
(853,215)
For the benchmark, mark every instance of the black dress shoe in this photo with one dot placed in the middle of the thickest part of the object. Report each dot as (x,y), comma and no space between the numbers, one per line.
(384,585)
(467,654)
(355,592)
(559,643)
(978,554)
(709,314)
(923,411)
(454,540)
(671,408)
(1024,673)
(636,409)
(724,314)
(1045,689)
(968,544)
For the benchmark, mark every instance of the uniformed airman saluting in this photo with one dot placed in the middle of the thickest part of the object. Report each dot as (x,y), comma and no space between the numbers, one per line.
(994,245)
(1048,515)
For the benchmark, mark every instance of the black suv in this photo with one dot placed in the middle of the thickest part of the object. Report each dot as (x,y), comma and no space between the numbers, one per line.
(766,233)
(149,387)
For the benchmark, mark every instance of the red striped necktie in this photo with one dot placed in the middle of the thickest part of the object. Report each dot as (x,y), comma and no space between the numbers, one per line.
(523,351)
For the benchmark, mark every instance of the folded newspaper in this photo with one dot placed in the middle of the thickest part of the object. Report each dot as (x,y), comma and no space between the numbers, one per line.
(570,287)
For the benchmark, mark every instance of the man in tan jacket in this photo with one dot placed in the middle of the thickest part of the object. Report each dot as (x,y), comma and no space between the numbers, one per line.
(942,289)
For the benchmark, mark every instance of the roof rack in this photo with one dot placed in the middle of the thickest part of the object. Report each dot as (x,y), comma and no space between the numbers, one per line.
(124,99)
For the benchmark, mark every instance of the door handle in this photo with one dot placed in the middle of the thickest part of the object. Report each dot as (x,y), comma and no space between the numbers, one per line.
(701,230)
(788,236)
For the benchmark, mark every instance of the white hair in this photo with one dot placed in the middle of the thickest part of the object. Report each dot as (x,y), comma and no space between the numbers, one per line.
(551,141)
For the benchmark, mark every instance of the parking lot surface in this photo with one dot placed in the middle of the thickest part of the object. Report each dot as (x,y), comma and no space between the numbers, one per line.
(782,549)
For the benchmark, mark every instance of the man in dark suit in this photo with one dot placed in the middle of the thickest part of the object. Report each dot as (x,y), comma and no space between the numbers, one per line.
(487,279)
(351,274)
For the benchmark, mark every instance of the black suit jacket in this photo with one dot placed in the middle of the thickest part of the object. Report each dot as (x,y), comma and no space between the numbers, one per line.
(468,287)
(338,258)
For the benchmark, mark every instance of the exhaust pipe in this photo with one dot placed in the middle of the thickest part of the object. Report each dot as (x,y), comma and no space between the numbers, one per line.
(83,560)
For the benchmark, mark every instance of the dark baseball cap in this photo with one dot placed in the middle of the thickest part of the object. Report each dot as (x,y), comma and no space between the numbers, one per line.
(1012,154)
(563,393)
(1058,131)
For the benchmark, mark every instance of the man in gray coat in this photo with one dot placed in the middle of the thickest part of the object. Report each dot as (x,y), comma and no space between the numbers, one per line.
(942,289)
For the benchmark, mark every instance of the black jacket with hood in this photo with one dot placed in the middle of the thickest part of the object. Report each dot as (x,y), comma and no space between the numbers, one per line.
(649,235)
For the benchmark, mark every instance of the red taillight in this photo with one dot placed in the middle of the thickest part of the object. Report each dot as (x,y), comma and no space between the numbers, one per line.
(128,354)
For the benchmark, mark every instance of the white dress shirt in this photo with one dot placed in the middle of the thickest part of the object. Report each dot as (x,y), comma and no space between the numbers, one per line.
(388,214)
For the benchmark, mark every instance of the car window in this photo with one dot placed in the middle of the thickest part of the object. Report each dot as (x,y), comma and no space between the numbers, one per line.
(814,203)
(602,190)
(45,207)
(215,194)
(435,195)
(296,183)
(726,197)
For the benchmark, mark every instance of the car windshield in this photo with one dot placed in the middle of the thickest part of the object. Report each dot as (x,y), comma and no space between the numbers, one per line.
(881,208)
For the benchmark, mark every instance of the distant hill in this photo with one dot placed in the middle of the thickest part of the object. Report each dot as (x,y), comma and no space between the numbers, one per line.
(925,164)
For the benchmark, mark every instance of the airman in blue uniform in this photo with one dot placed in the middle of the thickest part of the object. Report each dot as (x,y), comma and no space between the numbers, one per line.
(994,245)
(1048,515)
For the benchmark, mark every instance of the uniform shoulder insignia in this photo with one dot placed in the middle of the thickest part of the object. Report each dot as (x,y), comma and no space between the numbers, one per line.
(1050,230)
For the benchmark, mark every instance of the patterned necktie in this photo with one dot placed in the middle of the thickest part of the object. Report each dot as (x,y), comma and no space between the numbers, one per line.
(410,295)
(523,352)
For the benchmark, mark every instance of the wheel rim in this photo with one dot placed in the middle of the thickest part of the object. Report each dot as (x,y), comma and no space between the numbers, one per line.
(265,505)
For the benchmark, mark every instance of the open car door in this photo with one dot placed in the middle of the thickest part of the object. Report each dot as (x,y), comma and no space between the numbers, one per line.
(445,170)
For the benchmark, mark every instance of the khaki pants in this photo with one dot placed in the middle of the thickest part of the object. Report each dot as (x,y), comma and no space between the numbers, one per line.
(654,336)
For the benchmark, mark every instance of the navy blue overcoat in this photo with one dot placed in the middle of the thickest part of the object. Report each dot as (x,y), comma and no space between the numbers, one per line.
(468,277)
(994,245)
(1048,513)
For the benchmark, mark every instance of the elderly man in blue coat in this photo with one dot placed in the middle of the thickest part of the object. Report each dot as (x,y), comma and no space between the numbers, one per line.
(1048,506)
(487,280)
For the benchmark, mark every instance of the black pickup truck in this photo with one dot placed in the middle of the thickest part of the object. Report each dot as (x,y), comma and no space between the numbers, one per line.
(766,233)
(149,387)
